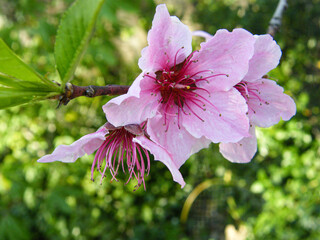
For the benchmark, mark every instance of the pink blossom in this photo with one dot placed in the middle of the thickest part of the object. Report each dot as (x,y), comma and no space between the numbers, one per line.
(187,97)
(117,148)
(267,103)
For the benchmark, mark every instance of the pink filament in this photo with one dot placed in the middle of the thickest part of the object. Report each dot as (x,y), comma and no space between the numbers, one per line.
(119,150)
(180,90)
(249,91)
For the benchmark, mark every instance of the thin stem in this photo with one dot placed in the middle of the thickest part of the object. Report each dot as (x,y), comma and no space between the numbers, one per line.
(74,91)
(94,91)
(275,22)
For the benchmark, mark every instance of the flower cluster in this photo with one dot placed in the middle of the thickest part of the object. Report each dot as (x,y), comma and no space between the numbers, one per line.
(183,100)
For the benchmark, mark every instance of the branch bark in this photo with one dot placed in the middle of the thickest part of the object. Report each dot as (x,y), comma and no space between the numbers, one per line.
(275,22)
(94,91)
(74,91)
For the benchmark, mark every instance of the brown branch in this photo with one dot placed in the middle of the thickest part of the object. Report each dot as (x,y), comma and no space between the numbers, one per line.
(94,91)
(74,91)
(275,22)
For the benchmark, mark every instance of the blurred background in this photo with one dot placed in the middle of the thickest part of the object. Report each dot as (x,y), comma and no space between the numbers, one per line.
(276,196)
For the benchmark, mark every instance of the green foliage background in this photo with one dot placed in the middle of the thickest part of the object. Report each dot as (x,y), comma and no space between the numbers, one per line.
(276,196)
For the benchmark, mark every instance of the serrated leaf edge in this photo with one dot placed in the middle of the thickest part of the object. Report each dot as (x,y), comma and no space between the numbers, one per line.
(78,54)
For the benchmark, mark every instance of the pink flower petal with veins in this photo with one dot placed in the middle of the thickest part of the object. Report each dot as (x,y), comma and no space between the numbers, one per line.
(268,104)
(166,37)
(85,145)
(129,109)
(223,118)
(161,155)
(266,57)
(178,142)
(242,151)
(226,53)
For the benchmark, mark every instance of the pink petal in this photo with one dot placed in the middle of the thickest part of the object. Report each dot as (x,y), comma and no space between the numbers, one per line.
(271,104)
(131,109)
(134,90)
(242,151)
(162,155)
(85,145)
(203,34)
(178,142)
(166,37)
(225,53)
(266,57)
(231,126)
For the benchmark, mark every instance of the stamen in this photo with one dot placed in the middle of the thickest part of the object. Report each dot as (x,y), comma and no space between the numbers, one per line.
(117,148)
(194,112)
(179,88)
(198,88)
(175,59)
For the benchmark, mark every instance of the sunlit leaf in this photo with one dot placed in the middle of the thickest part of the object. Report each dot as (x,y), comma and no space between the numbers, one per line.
(12,66)
(20,83)
(10,97)
(75,31)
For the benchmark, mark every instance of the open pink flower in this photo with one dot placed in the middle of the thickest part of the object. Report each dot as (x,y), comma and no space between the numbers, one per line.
(267,103)
(187,97)
(118,148)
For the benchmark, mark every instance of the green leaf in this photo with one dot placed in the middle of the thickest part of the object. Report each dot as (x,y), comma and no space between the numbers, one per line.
(12,66)
(10,97)
(12,82)
(16,92)
(19,83)
(74,33)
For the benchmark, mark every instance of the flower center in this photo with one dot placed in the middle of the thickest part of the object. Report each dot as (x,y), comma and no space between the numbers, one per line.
(182,88)
(173,86)
(117,148)
(250,91)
